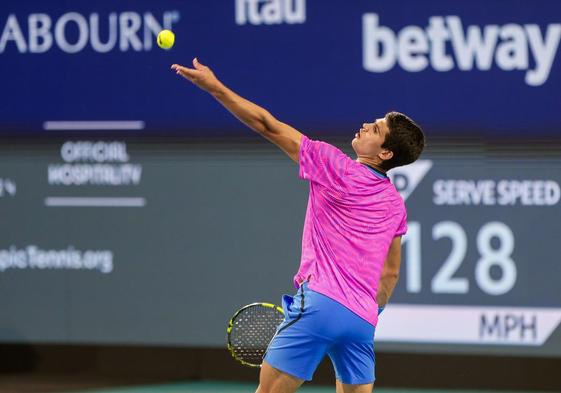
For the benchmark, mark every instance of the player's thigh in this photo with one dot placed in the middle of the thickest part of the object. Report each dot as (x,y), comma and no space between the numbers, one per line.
(272,380)
(345,388)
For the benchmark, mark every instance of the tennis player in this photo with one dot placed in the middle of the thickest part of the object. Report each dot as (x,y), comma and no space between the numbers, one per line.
(351,245)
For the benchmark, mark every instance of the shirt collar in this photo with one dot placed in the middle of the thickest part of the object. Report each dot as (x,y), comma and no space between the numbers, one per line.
(377,172)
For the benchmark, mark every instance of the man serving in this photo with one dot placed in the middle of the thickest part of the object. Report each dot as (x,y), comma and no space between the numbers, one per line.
(351,244)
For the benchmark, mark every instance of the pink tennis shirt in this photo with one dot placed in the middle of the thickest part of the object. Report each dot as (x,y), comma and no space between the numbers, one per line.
(352,217)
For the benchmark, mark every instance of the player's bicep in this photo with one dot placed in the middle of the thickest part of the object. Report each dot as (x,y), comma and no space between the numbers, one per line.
(286,137)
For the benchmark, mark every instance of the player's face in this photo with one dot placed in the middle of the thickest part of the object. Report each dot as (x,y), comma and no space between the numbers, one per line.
(369,139)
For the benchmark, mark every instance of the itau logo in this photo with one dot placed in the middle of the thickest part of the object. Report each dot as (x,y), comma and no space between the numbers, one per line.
(270,12)
(407,178)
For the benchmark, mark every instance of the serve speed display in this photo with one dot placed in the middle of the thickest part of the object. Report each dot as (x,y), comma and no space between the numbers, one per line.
(480,260)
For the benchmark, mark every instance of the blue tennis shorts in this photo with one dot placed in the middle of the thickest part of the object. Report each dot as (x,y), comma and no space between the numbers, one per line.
(316,325)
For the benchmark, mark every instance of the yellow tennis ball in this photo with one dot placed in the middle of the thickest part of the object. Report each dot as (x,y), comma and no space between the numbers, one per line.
(165,39)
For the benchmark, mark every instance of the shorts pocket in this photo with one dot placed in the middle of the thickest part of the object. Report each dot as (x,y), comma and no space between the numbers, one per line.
(287,302)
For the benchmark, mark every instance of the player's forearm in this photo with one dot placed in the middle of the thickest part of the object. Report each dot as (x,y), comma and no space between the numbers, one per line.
(385,288)
(252,115)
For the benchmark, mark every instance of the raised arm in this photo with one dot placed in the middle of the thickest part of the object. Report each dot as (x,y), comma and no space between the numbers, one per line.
(390,273)
(252,115)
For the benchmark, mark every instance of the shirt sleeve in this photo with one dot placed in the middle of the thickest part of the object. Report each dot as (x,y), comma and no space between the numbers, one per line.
(322,163)
(402,229)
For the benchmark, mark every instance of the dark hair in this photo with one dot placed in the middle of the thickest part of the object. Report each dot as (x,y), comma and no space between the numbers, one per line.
(406,140)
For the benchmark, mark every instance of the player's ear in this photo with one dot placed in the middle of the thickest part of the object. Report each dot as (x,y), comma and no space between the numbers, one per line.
(385,155)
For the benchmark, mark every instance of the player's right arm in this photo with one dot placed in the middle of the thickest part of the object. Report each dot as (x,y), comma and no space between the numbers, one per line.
(255,117)
(390,272)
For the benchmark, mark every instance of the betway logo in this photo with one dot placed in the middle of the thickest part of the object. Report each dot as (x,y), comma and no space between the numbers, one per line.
(407,178)
(511,47)
(72,32)
(270,12)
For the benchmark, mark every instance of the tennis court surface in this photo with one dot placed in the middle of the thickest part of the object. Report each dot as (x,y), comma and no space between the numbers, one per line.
(224,387)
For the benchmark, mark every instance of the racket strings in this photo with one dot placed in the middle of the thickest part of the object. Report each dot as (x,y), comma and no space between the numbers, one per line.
(252,331)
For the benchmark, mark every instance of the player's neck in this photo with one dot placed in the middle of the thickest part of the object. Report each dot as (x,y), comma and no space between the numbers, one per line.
(372,163)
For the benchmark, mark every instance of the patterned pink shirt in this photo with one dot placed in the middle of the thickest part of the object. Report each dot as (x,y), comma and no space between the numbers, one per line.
(352,217)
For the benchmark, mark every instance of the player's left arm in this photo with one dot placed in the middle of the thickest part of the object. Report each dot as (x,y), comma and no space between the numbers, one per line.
(255,117)
(390,272)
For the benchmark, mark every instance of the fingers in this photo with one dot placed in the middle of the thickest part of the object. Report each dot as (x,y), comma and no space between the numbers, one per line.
(178,68)
(184,71)
(197,65)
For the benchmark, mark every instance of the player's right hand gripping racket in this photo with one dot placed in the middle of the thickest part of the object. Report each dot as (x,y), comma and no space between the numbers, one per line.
(250,331)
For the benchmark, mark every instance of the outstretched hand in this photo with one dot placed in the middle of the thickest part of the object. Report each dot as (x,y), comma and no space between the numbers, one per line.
(200,75)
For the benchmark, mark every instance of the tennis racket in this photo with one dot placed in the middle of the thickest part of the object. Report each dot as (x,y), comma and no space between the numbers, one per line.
(250,331)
